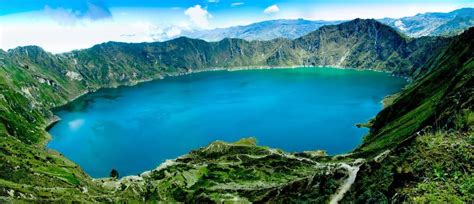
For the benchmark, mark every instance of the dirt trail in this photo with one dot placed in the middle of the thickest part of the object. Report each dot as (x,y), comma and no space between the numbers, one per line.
(347,184)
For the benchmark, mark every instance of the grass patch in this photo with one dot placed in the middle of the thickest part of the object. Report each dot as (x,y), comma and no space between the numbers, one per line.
(59,173)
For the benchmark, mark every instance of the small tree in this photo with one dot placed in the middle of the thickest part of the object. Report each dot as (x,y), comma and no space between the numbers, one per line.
(114,173)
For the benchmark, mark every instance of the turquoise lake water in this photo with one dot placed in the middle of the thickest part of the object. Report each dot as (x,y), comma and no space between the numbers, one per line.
(133,129)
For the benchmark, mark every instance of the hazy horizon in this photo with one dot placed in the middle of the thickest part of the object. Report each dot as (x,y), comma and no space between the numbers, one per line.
(65,26)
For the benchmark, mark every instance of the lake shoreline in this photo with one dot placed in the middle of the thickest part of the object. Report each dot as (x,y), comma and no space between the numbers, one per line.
(55,119)
(52,122)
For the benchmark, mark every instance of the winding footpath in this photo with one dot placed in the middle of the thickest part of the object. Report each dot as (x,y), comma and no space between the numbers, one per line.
(347,184)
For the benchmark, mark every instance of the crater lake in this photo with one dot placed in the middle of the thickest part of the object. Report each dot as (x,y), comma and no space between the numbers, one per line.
(134,129)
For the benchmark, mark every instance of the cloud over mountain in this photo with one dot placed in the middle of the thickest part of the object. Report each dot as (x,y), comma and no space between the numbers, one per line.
(271,9)
(198,16)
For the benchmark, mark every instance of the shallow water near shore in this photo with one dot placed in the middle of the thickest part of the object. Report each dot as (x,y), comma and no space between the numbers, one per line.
(134,129)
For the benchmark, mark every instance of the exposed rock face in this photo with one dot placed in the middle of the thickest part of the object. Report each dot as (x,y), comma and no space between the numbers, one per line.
(74,75)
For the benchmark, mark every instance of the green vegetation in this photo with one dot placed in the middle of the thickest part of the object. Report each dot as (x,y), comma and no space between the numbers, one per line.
(225,171)
(436,99)
(428,132)
(31,172)
(433,167)
(420,147)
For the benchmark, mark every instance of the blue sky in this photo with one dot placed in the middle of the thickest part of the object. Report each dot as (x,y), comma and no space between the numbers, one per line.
(14,6)
(60,25)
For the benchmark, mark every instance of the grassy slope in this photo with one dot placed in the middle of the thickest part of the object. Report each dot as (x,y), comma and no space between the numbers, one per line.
(243,171)
(431,100)
(429,132)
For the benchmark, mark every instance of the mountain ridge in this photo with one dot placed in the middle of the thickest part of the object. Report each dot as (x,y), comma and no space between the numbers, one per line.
(447,24)
(265,30)
(297,52)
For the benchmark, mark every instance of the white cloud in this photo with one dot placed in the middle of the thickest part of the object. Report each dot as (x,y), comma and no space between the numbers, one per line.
(173,32)
(70,17)
(81,29)
(1,38)
(237,4)
(271,9)
(57,38)
(36,28)
(61,15)
(199,17)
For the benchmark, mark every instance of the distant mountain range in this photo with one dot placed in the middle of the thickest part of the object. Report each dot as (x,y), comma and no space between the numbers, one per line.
(434,24)
(427,24)
(265,30)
